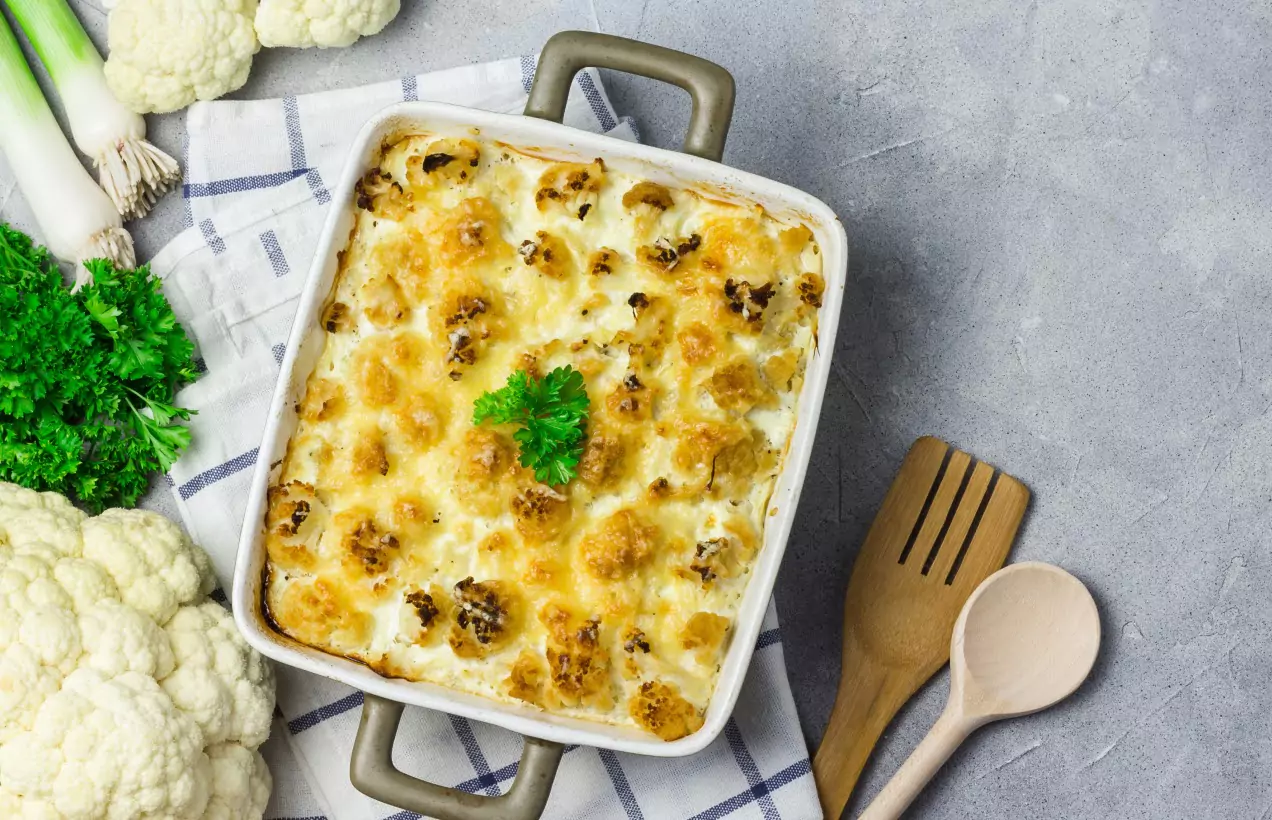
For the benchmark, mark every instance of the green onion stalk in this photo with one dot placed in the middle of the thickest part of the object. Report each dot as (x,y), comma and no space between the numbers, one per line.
(78,219)
(131,170)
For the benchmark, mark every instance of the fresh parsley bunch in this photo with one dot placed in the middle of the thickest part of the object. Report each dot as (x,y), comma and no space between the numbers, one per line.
(87,378)
(552,412)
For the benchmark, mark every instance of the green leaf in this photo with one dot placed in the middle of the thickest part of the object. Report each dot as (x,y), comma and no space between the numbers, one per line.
(105,315)
(505,405)
(552,412)
(87,379)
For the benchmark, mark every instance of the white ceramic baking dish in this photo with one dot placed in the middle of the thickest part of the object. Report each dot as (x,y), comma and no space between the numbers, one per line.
(563,56)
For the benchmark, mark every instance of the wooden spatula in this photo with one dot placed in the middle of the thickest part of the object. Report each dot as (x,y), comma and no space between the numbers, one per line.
(946,524)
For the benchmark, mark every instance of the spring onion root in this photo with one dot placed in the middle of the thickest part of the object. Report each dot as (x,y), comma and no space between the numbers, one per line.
(77,218)
(131,170)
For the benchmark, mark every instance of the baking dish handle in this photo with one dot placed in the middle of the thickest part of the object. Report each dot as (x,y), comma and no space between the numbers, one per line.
(372,772)
(710,86)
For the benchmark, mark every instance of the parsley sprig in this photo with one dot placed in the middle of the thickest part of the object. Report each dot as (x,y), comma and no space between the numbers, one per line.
(552,412)
(87,378)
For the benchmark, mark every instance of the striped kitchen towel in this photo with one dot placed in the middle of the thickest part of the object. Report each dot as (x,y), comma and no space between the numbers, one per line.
(256,196)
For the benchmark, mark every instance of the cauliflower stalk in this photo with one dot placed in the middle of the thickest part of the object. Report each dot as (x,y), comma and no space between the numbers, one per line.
(323,23)
(124,692)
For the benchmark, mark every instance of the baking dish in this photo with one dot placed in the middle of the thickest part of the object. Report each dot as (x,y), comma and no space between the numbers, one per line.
(541,132)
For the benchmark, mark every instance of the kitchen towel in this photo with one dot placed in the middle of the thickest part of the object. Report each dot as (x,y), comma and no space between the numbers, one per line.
(256,196)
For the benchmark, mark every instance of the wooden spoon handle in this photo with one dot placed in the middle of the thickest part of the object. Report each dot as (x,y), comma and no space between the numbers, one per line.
(869,696)
(950,730)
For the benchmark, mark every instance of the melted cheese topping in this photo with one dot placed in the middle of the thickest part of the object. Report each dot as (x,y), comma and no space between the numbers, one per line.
(402,536)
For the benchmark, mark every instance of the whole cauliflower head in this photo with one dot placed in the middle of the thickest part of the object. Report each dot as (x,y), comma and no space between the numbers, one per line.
(323,23)
(124,692)
(165,55)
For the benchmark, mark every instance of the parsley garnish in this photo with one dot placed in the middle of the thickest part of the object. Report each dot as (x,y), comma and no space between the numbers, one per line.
(552,412)
(87,378)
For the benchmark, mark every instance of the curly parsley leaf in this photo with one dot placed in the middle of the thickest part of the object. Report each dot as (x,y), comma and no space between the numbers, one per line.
(552,412)
(87,378)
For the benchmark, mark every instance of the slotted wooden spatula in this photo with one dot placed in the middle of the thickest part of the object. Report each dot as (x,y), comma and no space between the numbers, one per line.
(946,524)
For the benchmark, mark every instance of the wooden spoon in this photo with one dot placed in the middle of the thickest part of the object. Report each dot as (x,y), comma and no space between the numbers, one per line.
(1026,640)
(946,523)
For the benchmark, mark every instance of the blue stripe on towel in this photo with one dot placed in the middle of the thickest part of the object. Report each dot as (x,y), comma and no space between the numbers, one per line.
(788,775)
(768,637)
(594,99)
(752,772)
(527,72)
(236,185)
(277,261)
(311,719)
(619,778)
(476,756)
(211,237)
(207,478)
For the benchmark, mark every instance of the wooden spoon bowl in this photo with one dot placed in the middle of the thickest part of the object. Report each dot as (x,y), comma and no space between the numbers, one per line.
(1025,640)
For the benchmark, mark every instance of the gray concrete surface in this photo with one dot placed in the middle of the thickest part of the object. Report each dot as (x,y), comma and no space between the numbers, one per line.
(1061,220)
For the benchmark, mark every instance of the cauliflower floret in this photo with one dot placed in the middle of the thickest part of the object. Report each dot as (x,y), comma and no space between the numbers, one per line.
(151,561)
(13,807)
(219,680)
(166,55)
(54,637)
(26,583)
(120,639)
(25,684)
(28,517)
(323,23)
(110,748)
(87,583)
(35,612)
(240,783)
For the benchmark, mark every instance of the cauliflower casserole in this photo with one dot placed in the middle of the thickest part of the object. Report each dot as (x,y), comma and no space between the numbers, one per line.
(403,536)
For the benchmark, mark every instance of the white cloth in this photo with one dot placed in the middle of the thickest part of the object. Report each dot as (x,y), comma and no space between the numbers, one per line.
(256,194)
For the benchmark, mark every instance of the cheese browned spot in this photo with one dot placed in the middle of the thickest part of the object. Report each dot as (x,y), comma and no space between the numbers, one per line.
(442,163)
(540,512)
(579,665)
(602,459)
(602,261)
(570,186)
(324,400)
(660,709)
(737,386)
(619,546)
(423,611)
(697,344)
(648,193)
(484,617)
(527,678)
(401,535)
(336,318)
(363,544)
(548,255)
(384,303)
(378,192)
(810,288)
(705,632)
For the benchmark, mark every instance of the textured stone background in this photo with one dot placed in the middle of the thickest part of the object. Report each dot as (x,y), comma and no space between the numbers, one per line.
(1059,214)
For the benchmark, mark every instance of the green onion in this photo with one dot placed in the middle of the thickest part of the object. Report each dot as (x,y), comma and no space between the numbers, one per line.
(131,170)
(78,220)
